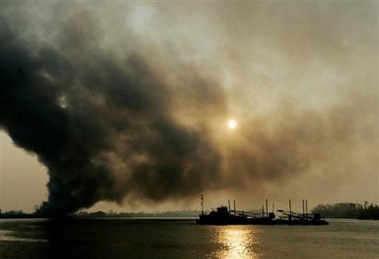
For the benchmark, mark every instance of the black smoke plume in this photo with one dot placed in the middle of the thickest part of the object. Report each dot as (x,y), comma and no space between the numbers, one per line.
(103,128)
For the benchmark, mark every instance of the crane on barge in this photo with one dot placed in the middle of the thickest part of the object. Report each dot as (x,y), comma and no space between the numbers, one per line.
(225,216)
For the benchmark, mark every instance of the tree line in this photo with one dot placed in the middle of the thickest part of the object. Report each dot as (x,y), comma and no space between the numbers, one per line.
(37,214)
(337,210)
(348,210)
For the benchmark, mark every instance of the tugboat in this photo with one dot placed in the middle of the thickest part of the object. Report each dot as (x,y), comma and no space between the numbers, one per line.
(224,216)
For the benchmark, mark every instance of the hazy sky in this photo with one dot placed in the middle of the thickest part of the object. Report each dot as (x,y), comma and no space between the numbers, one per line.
(129,102)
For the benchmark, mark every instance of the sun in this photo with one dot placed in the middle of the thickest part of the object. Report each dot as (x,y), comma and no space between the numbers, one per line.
(232,124)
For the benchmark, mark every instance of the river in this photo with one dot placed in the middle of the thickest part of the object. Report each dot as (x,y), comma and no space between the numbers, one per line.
(174,238)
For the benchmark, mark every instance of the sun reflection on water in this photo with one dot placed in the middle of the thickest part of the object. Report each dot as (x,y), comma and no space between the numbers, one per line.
(237,242)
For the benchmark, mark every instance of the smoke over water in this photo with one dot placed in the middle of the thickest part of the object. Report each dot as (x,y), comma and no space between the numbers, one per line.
(127,117)
(104,130)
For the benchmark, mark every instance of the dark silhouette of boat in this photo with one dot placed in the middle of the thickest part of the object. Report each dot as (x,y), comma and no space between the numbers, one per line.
(225,216)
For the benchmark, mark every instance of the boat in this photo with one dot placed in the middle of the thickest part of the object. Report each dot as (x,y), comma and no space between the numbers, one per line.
(225,216)
(222,216)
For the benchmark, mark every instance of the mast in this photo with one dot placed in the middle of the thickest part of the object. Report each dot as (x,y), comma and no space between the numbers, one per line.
(202,204)
(303,209)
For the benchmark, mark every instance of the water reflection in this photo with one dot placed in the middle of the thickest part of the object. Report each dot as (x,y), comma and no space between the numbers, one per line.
(237,242)
(11,236)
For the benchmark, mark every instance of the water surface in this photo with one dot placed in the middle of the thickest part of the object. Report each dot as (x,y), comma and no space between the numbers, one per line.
(172,238)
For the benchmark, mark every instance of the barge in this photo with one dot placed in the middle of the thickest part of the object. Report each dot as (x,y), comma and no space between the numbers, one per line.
(225,216)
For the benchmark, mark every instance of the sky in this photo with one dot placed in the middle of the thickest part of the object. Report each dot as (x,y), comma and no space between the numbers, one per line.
(125,105)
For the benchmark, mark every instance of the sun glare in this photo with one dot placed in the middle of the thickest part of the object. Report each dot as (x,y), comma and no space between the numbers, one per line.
(237,242)
(232,124)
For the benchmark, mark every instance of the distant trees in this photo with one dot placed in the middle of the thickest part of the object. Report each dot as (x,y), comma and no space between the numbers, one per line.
(337,210)
(369,211)
(38,214)
(14,214)
(348,210)
(181,213)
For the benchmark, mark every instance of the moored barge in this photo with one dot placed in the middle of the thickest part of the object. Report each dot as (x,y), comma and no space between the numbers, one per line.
(225,216)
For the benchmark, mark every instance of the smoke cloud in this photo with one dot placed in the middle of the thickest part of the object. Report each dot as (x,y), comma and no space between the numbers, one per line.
(103,130)
(119,112)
